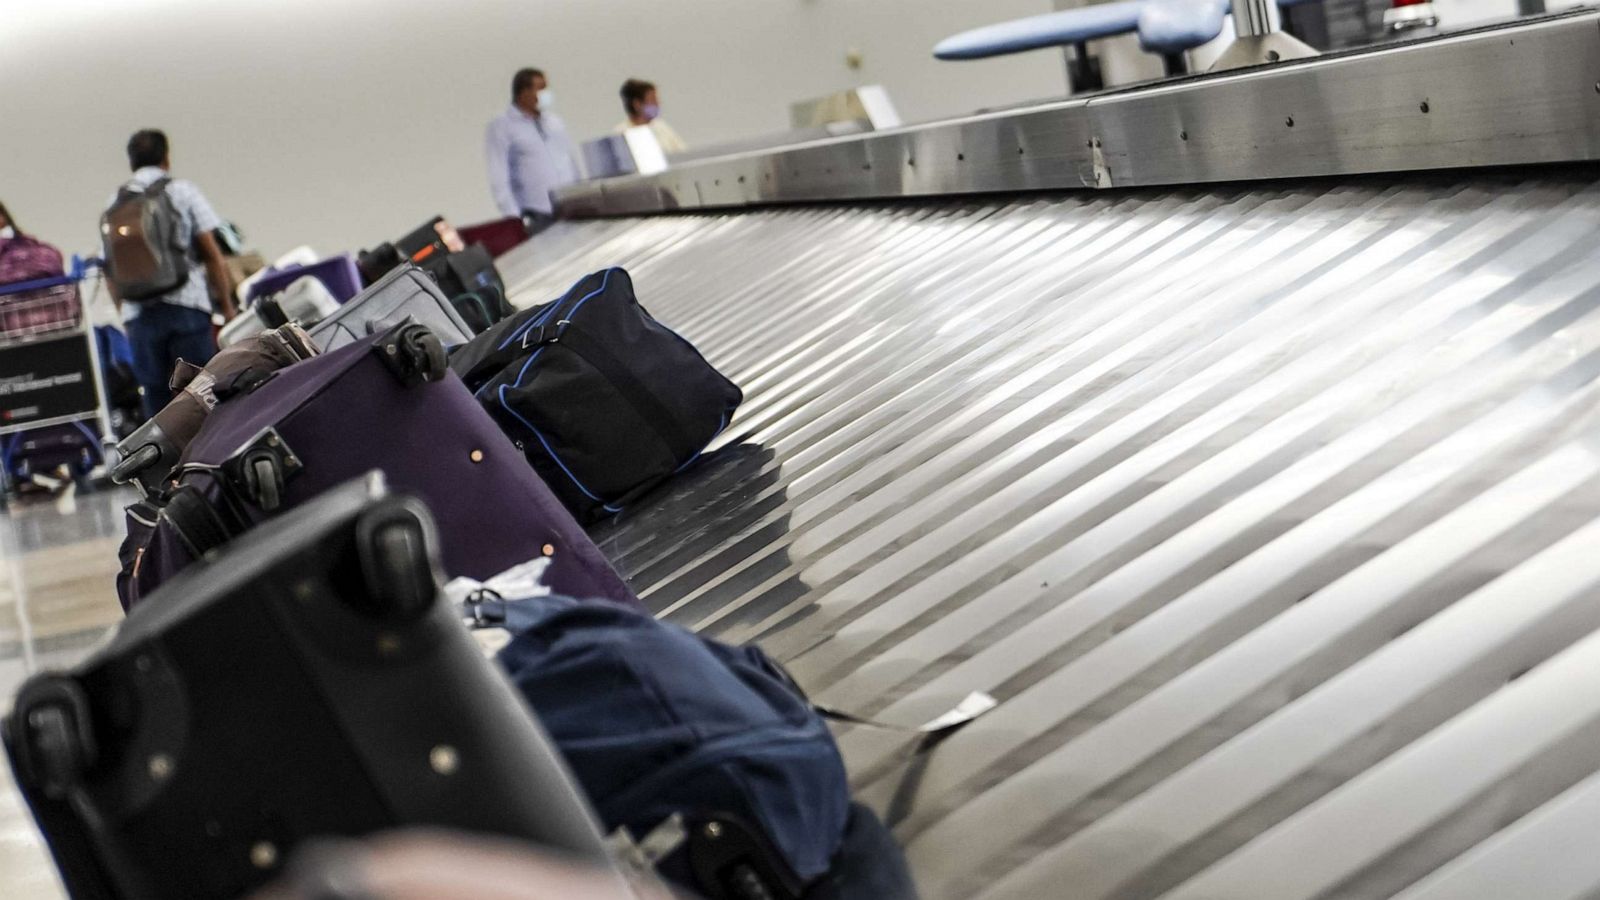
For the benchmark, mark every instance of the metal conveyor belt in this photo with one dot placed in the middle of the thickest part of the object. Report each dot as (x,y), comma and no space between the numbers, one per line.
(1271,515)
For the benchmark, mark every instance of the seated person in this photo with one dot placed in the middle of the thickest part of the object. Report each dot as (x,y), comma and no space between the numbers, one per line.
(23,258)
(643,106)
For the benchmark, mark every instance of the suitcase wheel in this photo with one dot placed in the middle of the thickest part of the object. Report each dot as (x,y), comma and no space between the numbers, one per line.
(262,477)
(395,562)
(732,860)
(54,751)
(54,737)
(260,471)
(414,354)
(268,481)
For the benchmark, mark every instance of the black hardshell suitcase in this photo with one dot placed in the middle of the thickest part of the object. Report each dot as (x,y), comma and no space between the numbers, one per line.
(406,292)
(310,682)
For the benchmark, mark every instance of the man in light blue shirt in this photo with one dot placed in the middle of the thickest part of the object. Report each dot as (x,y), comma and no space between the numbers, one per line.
(175,325)
(527,150)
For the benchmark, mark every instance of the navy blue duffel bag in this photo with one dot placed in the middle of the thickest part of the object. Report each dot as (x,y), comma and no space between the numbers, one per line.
(657,722)
(605,401)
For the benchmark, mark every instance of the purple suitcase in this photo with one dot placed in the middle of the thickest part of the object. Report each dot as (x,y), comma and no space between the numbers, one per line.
(321,422)
(338,273)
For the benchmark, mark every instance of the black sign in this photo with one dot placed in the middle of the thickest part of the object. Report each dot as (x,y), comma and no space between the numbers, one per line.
(46,379)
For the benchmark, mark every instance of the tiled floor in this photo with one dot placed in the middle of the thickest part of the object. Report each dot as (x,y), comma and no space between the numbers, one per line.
(57,564)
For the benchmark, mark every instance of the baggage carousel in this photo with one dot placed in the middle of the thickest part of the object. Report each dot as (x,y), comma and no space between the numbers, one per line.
(1261,487)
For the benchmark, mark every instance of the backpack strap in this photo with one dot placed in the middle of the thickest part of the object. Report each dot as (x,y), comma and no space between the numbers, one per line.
(972,706)
(133,189)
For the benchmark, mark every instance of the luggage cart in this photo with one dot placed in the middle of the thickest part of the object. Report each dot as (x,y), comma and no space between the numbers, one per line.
(52,390)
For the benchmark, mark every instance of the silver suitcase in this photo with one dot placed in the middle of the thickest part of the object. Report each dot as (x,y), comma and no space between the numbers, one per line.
(404,292)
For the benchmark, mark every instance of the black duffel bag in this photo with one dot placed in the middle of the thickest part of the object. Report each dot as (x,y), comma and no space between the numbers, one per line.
(473,284)
(605,401)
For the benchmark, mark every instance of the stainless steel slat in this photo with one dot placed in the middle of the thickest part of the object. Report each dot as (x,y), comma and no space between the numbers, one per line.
(1553,714)
(1237,499)
(1324,404)
(1545,853)
(1385,596)
(1514,93)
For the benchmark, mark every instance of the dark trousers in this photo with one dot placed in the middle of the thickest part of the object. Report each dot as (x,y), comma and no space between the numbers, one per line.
(160,336)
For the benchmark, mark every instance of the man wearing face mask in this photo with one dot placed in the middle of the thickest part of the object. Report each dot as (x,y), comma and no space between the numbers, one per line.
(528,151)
(643,105)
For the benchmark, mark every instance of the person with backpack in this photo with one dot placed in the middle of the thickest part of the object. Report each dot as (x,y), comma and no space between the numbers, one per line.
(163,267)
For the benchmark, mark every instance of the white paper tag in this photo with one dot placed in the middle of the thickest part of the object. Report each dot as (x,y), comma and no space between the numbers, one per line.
(976,704)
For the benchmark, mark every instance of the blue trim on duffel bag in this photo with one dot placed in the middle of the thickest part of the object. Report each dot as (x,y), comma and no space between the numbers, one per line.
(521,375)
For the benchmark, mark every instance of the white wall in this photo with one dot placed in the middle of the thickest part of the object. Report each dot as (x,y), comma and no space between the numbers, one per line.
(344,122)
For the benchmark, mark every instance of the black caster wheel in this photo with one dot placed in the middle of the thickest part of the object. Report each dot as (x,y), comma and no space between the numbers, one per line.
(414,354)
(259,475)
(395,563)
(51,734)
(268,482)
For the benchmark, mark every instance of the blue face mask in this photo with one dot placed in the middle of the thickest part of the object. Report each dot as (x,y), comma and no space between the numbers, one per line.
(650,111)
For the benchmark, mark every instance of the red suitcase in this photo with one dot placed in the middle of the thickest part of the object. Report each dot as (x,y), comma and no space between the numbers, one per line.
(497,237)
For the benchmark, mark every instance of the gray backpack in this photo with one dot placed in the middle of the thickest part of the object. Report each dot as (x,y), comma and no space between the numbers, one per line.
(142,234)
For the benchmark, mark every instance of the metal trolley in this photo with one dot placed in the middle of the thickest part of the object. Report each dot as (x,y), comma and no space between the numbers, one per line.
(52,389)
